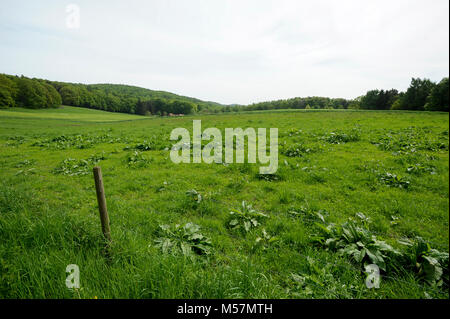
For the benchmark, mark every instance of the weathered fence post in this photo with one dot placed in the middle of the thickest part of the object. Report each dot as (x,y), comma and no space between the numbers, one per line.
(102,203)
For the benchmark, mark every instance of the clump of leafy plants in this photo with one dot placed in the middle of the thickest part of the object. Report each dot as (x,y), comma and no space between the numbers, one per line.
(96,158)
(192,201)
(25,163)
(409,140)
(268,177)
(397,142)
(66,141)
(264,240)
(194,195)
(26,172)
(202,204)
(420,169)
(395,220)
(246,218)
(74,167)
(357,243)
(393,180)
(317,280)
(186,240)
(429,264)
(154,143)
(294,132)
(15,140)
(296,150)
(80,141)
(307,215)
(137,160)
(340,137)
(145,146)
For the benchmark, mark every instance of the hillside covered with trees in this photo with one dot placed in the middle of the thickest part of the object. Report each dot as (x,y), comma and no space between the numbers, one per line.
(37,93)
(422,94)
(29,93)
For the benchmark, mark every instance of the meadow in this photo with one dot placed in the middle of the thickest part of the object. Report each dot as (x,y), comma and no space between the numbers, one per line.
(352,188)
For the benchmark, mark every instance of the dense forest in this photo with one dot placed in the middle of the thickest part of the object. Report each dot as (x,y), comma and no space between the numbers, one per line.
(25,92)
(422,94)
(36,93)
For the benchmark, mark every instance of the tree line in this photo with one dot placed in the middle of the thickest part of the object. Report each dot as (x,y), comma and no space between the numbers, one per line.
(313,102)
(422,94)
(29,93)
(21,91)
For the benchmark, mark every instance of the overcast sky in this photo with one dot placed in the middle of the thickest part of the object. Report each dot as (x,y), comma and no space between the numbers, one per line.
(230,51)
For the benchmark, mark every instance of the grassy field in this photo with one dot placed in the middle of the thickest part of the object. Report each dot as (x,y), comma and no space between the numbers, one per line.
(69,114)
(386,171)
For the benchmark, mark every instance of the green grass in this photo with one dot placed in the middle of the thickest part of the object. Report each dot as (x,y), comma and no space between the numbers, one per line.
(49,220)
(68,113)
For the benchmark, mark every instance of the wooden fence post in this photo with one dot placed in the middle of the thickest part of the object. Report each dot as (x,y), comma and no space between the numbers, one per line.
(102,203)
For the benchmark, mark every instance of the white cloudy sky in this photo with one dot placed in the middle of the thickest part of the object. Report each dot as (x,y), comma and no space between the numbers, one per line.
(234,51)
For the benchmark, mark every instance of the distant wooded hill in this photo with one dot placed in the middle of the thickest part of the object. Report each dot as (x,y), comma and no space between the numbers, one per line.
(38,93)
(422,94)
